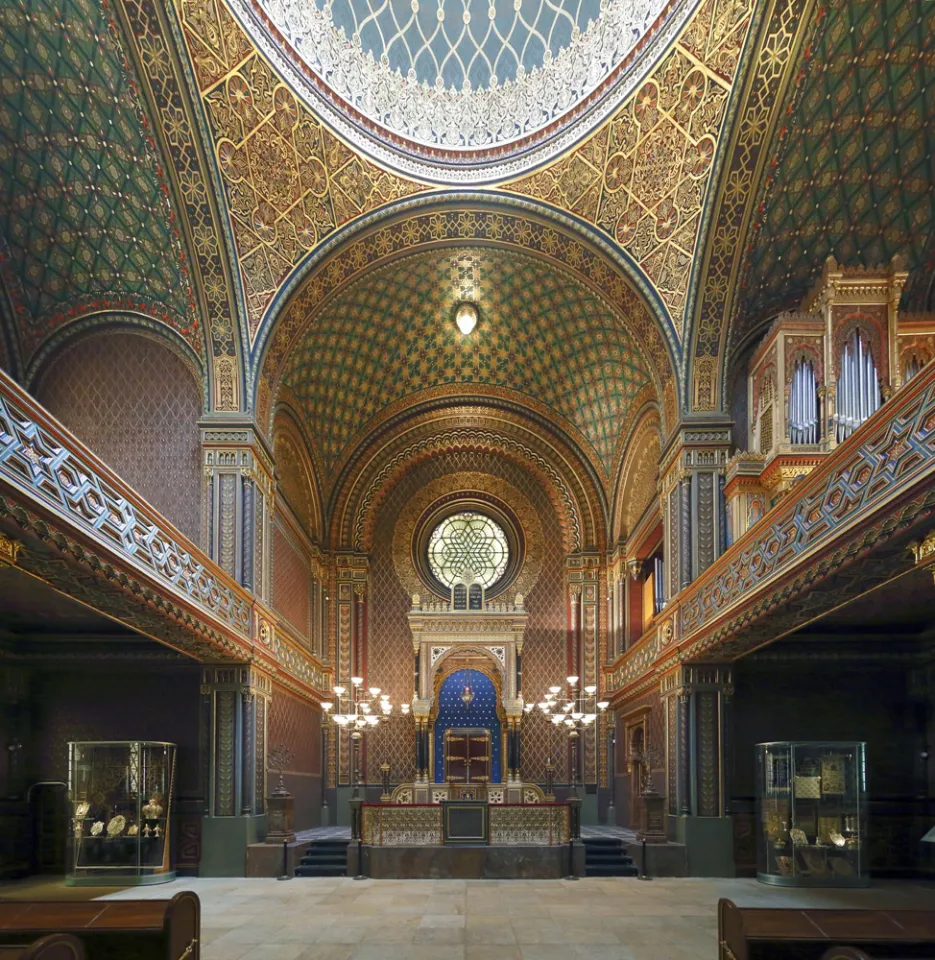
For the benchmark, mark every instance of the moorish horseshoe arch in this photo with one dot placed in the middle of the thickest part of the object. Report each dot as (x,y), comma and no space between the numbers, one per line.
(576,496)
(475,217)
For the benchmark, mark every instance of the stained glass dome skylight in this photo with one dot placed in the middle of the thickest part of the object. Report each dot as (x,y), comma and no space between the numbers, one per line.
(468,544)
(462,75)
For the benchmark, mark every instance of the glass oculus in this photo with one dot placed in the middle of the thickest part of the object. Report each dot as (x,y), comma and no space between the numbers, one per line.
(468,545)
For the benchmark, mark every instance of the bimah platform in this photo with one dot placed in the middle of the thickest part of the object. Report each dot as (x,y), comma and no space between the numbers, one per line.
(468,839)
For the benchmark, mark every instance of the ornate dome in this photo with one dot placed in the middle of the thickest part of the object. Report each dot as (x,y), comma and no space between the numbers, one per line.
(447,88)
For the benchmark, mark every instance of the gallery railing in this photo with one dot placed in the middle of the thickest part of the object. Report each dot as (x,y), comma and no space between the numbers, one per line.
(511,824)
(46,470)
(878,482)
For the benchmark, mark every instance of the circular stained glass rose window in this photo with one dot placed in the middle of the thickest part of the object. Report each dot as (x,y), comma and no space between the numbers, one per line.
(468,545)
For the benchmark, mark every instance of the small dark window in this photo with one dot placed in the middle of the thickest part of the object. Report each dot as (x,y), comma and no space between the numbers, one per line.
(460,596)
(476,596)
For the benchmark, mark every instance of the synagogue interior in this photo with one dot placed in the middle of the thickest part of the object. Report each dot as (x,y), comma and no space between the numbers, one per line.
(481,449)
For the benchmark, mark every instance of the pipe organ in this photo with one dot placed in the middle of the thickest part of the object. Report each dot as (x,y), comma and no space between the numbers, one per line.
(818,374)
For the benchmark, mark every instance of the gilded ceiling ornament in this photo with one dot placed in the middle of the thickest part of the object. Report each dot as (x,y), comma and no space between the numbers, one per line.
(642,177)
(289,182)
(543,339)
(88,218)
(732,205)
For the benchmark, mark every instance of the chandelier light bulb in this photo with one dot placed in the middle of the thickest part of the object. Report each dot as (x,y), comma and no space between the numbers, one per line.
(603,705)
(466,317)
(374,691)
(405,708)
(327,706)
(572,681)
(340,691)
(357,681)
(590,690)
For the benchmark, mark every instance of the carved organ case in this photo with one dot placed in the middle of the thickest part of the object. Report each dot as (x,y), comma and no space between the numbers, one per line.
(817,376)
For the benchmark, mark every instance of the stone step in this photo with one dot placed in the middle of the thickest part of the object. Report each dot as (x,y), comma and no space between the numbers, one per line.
(321,871)
(608,870)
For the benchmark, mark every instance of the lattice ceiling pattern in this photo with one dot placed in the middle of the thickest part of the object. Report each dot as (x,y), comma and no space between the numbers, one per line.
(84,212)
(854,176)
(463,73)
(541,334)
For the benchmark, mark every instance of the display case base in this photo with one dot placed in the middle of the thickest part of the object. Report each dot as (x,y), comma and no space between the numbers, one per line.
(780,881)
(121,880)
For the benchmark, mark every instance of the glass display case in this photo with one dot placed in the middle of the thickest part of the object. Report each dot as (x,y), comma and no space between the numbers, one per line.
(810,813)
(120,795)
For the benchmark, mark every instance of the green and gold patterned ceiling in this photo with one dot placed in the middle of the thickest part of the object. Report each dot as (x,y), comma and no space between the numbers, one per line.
(85,220)
(160,160)
(543,339)
(854,168)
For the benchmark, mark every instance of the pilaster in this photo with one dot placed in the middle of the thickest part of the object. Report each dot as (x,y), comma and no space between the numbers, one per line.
(583,578)
(234,710)
(352,577)
(696,699)
(239,502)
(692,493)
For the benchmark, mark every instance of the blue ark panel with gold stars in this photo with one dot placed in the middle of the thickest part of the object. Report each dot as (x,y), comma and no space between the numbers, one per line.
(453,713)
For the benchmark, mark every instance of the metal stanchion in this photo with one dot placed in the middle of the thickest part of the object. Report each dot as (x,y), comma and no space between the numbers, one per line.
(285,861)
(643,873)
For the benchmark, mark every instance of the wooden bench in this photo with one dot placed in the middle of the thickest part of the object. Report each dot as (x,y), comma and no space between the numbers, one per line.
(755,933)
(58,946)
(111,929)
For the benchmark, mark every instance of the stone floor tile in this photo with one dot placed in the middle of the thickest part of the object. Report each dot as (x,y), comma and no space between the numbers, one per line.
(439,935)
(275,951)
(438,920)
(482,951)
(489,930)
(374,951)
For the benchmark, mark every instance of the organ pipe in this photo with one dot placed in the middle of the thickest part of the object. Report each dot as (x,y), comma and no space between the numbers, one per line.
(858,388)
(803,404)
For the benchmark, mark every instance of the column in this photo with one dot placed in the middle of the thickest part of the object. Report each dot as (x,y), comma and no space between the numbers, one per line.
(351,573)
(234,708)
(239,502)
(694,512)
(696,700)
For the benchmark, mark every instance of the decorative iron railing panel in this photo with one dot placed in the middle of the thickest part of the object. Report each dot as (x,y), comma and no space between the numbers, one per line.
(536,824)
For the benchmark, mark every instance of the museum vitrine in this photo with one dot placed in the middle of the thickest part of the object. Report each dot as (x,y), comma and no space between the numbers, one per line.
(120,796)
(811,811)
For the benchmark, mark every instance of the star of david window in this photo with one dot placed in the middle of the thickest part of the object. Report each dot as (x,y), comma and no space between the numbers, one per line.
(468,545)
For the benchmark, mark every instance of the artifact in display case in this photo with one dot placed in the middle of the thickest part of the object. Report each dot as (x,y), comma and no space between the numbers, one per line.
(121,804)
(811,799)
